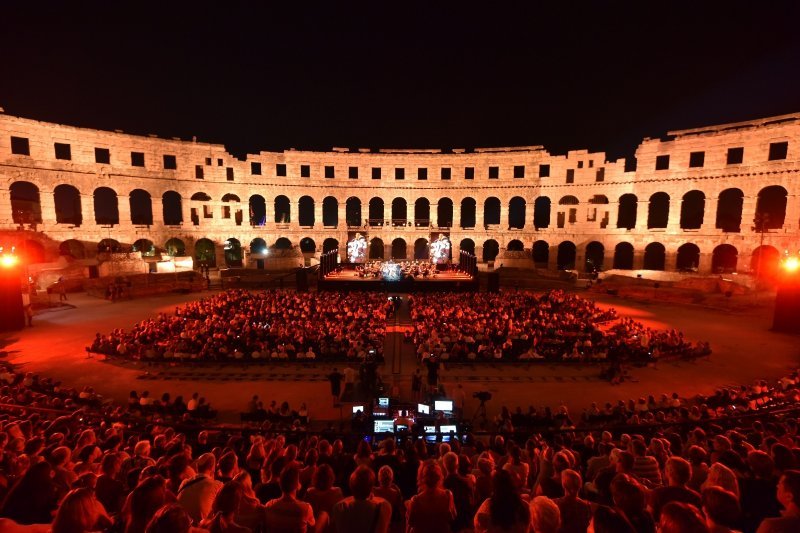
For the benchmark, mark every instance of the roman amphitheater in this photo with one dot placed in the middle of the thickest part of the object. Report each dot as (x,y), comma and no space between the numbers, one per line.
(722,198)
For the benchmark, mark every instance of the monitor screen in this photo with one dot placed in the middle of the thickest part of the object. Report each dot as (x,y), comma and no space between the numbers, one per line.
(383,426)
(383,402)
(423,409)
(447,429)
(358,409)
(429,429)
(443,405)
(402,427)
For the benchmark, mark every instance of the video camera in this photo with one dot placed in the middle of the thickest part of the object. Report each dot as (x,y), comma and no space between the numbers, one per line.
(483,396)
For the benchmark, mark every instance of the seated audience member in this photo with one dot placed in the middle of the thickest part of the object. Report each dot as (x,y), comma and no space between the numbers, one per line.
(504,510)
(287,513)
(362,512)
(789,498)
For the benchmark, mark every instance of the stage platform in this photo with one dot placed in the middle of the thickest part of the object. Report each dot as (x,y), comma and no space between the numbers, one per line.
(349,280)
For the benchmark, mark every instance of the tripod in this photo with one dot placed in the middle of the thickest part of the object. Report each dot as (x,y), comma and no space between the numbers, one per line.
(480,412)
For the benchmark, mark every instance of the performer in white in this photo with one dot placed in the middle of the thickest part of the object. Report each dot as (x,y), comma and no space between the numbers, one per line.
(440,250)
(357,249)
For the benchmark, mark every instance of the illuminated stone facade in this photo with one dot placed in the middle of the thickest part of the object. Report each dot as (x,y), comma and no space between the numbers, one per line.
(697,195)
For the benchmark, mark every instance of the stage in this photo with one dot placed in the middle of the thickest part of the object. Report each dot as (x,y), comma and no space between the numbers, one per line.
(349,279)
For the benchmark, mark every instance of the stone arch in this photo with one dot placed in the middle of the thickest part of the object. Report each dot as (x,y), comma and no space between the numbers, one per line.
(623,256)
(444,213)
(654,256)
(141,208)
(422,212)
(352,212)
(693,207)
(258,210)
(516,212)
(307,245)
(568,200)
(305,211)
(282,243)
(234,255)
(688,259)
(200,197)
(283,209)
(658,211)
(145,246)
(172,208)
(175,247)
(567,252)
(72,248)
(399,212)
(67,200)
(258,246)
(32,252)
(330,212)
(205,252)
(599,199)
(468,212)
(467,245)
(541,253)
(765,261)
(626,211)
(231,198)
(491,211)
(109,246)
(421,249)
(729,210)
(595,255)
(724,259)
(106,206)
(515,245)
(376,248)
(235,212)
(541,212)
(491,249)
(399,250)
(771,207)
(26,207)
(377,211)
(329,244)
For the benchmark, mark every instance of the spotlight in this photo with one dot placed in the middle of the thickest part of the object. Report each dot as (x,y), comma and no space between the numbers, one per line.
(8,261)
(266,251)
(791,264)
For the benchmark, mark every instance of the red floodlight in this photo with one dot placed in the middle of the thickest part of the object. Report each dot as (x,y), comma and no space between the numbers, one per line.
(791,264)
(8,261)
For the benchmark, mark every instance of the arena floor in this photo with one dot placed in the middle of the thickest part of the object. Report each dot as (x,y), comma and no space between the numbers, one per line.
(744,349)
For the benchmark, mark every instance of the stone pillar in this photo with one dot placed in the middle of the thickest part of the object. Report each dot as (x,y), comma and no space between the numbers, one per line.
(710,215)
(503,215)
(87,210)
(638,258)
(642,208)
(479,218)
(48,206)
(552,257)
(157,207)
(317,215)
(674,220)
(186,212)
(341,214)
(6,217)
(456,214)
(792,220)
(124,207)
(387,250)
(704,265)
(748,213)
(435,215)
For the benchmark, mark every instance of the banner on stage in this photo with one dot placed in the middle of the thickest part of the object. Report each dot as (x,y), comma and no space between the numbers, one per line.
(440,250)
(357,249)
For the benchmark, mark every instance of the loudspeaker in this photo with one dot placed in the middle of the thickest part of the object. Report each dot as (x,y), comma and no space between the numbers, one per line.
(302,280)
(787,307)
(12,316)
(494,282)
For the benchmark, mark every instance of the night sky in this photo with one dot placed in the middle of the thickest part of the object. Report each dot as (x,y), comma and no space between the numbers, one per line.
(253,77)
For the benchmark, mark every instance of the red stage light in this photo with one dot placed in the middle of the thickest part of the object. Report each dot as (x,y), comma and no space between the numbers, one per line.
(8,261)
(791,264)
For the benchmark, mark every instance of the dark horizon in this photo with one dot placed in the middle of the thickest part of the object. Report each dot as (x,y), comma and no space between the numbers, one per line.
(255,78)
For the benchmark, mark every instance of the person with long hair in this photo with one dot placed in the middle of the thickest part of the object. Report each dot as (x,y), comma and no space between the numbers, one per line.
(147,498)
(505,511)
(390,492)
(432,509)
(250,512)
(33,498)
(322,494)
(80,512)
(170,519)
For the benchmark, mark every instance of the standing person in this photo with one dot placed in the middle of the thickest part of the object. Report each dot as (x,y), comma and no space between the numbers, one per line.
(62,290)
(335,379)
(362,512)
(416,385)
(349,380)
(433,374)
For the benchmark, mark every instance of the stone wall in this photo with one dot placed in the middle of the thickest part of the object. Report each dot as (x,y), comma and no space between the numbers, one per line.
(219,194)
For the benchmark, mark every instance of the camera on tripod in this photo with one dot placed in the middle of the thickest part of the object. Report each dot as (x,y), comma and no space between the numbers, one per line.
(483,396)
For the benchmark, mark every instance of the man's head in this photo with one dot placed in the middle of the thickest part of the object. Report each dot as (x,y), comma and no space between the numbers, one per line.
(571,481)
(721,507)
(290,480)
(206,463)
(361,482)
